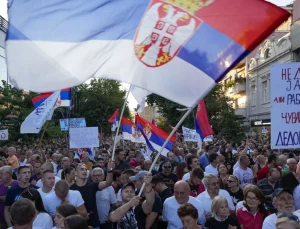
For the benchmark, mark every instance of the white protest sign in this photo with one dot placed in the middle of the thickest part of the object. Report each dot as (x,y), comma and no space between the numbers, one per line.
(285,101)
(3,135)
(190,135)
(84,137)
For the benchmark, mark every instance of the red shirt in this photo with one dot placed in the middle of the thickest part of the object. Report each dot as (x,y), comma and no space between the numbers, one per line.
(263,173)
(248,220)
(201,189)
(133,162)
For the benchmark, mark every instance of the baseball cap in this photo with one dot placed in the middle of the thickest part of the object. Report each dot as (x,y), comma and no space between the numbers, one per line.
(130,184)
(278,191)
(139,176)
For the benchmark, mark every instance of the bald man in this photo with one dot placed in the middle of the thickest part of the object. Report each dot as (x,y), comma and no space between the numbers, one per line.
(181,196)
(62,195)
(292,166)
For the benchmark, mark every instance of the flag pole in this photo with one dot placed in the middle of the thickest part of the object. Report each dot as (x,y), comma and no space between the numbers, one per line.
(119,124)
(174,130)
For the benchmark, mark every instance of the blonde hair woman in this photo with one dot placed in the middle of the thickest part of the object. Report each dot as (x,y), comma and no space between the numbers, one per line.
(287,222)
(220,215)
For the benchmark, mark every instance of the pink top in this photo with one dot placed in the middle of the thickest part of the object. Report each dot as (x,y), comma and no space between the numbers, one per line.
(248,220)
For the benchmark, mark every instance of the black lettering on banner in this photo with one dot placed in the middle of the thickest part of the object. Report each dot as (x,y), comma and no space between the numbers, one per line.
(288,138)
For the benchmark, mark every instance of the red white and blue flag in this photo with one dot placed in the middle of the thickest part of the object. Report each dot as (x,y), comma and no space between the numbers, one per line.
(64,99)
(203,128)
(154,135)
(131,132)
(163,46)
(114,119)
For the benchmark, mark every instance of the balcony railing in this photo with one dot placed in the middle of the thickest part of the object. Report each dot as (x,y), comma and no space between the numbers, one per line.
(3,24)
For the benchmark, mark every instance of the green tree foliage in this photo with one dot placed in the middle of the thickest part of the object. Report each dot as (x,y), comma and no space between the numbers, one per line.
(226,124)
(97,101)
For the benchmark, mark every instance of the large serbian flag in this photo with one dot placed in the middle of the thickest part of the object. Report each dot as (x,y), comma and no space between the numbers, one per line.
(163,46)
(114,119)
(130,132)
(155,135)
(203,128)
(64,98)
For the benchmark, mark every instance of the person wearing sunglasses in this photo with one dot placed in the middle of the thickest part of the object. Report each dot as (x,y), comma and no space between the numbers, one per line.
(234,190)
(169,178)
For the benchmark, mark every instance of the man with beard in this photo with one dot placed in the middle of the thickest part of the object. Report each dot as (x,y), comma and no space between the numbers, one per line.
(14,193)
(169,178)
(88,190)
(284,203)
(125,215)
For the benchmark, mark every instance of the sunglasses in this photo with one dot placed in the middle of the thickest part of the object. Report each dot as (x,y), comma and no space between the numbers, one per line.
(167,167)
(230,181)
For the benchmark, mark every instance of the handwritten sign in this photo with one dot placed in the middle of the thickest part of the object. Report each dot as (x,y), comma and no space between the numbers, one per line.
(86,137)
(3,135)
(190,135)
(65,124)
(285,101)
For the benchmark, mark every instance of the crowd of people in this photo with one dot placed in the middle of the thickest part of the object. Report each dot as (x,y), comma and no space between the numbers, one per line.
(221,186)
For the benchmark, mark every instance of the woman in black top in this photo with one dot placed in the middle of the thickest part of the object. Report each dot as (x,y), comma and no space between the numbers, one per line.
(220,215)
(233,187)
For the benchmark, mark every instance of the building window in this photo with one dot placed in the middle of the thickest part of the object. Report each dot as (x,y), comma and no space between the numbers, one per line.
(253,96)
(265,91)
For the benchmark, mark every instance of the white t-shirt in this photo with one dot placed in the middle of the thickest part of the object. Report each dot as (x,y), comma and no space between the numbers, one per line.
(245,176)
(55,167)
(104,199)
(59,173)
(52,201)
(269,222)
(236,165)
(234,152)
(40,184)
(43,194)
(43,220)
(170,212)
(296,196)
(207,201)
(212,170)
(186,176)
(239,205)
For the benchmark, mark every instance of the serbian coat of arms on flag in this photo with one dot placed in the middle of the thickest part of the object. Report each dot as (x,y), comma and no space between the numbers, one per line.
(165,27)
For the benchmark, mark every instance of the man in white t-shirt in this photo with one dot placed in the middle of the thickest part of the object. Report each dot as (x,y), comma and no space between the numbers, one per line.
(23,214)
(65,162)
(242,172)
(181,196)
(47,166)
(61,195)
(212,167)
(191,162)
(105,198)
(48,180)
(284,203)
(212,185)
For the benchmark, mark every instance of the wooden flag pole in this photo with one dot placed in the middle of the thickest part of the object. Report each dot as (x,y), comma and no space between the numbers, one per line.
(119,124)
(173,132)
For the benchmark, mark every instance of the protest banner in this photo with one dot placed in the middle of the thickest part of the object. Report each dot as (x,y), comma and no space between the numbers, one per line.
(190,135)
(86,137)
(65,124)
(3,135)
(285,101)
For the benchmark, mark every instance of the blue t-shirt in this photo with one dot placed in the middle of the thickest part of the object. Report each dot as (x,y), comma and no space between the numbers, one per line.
(203,161)
(14,194)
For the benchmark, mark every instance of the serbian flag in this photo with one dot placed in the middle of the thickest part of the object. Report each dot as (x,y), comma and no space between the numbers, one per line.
(155,135)
(203,127)
(114,119)
(64,99)
(130,132)
(163,46)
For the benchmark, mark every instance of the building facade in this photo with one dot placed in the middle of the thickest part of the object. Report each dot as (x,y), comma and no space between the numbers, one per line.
(3,30)
(248,84)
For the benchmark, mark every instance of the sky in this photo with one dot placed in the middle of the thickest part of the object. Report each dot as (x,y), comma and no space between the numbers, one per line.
(131,100)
